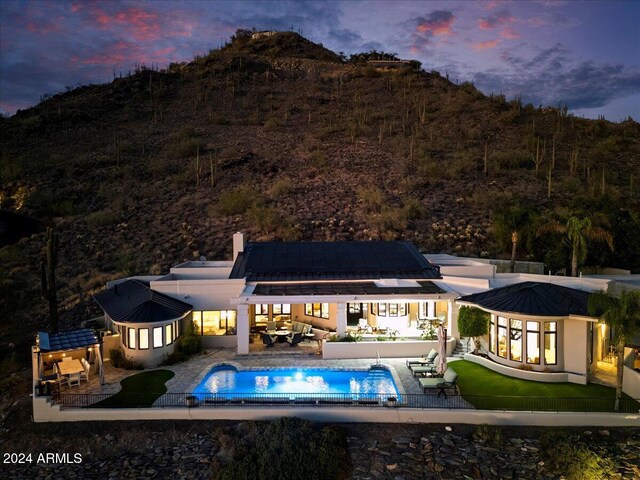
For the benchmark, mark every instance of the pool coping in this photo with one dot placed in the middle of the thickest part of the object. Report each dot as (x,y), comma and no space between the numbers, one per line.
(390,368)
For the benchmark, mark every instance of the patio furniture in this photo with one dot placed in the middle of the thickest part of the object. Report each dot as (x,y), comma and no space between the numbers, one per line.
(74,379)
(424,360)
(272,326)
(428,370)
(66,359)
(61,378)
(268,340)
(295,339)
(282,335)
(70,366)
(441,384)
(84,375)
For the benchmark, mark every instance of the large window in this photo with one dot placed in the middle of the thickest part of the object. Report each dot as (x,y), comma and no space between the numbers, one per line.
(215,322)
(262,313)
(281,311)
(550,343)
(318,310)
(168,335)
(492,335)
(515,340)
(157,337)
(393,309)
(143,338)
(132,338)
(502,337)
(382,309)
(533,342)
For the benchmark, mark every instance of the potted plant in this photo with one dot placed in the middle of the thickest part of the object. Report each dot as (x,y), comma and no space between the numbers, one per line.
(192,401)
(392,401)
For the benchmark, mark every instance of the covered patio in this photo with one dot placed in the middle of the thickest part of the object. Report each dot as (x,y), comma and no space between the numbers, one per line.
(68,359)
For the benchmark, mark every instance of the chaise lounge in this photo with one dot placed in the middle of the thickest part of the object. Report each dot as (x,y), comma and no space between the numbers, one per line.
(423,360)
(441,384)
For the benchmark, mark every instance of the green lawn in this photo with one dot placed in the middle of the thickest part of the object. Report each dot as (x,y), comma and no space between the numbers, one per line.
(480,387)
(139,390)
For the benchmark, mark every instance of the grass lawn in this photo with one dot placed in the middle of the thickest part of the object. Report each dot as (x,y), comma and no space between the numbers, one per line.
(139,390)
(480,387)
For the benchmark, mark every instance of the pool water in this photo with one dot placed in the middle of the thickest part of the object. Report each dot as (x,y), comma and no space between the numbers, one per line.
(227,380)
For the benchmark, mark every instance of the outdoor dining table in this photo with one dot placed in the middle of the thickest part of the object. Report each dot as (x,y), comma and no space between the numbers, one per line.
(282,335)
(69,367)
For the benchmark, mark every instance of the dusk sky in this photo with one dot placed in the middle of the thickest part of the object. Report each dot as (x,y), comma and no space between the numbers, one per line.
(582,53)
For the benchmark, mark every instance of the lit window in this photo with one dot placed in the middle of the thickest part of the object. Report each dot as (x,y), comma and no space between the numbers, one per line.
(318,310)
(308,309)
(403,309)
(325,310)
(168,334)
(492,334)
(262,313)
(550,345)
(515,340)
(281,311)
(197,322)
(382,309)
(393,309)
(143,334)
(502,337)
(533,342)
(157,337)
(132,337)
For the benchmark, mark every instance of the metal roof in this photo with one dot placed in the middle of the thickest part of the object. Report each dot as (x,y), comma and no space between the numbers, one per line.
(71,340)
(291,261)
(134,302)
(532,298)
(342,288)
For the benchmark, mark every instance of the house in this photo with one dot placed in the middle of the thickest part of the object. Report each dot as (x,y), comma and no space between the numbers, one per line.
(377,289)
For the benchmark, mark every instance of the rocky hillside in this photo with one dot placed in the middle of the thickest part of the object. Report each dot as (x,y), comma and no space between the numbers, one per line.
(284,139)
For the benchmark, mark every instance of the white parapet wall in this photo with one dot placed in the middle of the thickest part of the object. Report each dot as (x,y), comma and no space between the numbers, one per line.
(43,411)
(631,382)
(387,349)
(559,377)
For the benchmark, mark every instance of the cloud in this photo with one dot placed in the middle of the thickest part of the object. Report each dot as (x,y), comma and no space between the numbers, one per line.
(486,45)
(496,20)
(510,34)
(438,22)
(550,77)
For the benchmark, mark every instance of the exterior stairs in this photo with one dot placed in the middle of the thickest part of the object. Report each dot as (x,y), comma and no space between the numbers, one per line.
(465,345)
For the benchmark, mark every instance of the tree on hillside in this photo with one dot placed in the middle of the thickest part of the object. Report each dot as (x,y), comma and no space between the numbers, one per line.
(509,225)
(577,232)
(622,314)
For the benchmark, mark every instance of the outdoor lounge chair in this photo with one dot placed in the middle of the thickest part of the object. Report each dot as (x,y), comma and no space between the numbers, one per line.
(268,340)
(423,370)
(441,384)
(423,360)
(272,326)
(295,339)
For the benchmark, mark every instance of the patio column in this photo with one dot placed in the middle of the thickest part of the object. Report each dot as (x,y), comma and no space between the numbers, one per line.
(341,325)
(452,327)
(431,309)
(242,333)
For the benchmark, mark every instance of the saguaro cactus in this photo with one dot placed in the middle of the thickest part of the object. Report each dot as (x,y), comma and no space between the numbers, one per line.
(48,271)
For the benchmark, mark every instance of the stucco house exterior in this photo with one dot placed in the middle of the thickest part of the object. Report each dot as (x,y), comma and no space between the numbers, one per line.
(539,324)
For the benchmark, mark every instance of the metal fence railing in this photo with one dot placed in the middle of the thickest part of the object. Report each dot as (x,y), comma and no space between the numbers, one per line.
(504,403)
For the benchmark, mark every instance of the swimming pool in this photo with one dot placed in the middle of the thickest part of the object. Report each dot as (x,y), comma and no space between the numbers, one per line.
(226,380)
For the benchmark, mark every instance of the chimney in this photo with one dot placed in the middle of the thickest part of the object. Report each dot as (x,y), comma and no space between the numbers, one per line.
(238,244)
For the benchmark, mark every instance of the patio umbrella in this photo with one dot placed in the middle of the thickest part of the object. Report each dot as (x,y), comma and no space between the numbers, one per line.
(442,351)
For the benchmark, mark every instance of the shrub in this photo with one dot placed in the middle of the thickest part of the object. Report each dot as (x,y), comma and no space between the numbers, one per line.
(569,457)
(491,435)
(282,187)
(101,218)
(349,338)
(526,368)
(175,357)
(318,159)
(118,360)
(237,201)
(511,160)
(288,448)
(267,219)
(372,199)
(271,124)
(46,203)
(190,343)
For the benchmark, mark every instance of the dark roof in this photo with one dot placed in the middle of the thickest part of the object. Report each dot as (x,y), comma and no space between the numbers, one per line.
(134,302)
(342,288)
(50,342)
(533,298)
(290,261)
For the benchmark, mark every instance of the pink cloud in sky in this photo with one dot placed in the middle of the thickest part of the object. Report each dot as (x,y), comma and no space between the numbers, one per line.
(496,20)
(486,45)
(438,22)
(510,34)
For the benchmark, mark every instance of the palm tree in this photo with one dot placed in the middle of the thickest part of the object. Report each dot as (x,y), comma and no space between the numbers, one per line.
(511,222)
(577,231)
(623,317)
